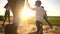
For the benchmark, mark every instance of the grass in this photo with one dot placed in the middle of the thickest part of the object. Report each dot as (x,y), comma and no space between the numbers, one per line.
(52,20)
(2,18)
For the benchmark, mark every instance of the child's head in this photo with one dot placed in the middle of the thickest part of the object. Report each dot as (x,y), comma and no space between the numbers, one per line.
(38,3)
(42,6)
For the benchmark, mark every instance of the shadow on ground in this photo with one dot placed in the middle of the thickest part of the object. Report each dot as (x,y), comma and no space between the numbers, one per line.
(32,33)
(1,30)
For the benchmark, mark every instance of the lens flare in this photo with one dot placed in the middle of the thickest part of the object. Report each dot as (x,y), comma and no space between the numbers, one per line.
(27,13)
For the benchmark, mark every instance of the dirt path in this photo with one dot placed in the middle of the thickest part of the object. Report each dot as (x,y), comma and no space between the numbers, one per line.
(31,29)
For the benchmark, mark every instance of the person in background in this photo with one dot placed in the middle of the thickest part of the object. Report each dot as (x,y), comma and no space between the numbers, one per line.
(46,18)
(7,14)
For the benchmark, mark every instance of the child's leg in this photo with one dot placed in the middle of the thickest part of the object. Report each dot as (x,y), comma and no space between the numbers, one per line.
(5,17)
(41,30)
(39,27)
(9,17)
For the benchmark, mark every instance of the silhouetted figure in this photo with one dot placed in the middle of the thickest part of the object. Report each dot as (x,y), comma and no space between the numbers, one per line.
(16,7)
(47,19)
(7,14)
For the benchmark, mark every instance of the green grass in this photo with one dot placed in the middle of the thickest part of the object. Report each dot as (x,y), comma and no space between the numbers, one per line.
(52,20)
(2,18)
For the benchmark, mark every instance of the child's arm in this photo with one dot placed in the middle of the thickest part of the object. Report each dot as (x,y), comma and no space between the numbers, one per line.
(28,5)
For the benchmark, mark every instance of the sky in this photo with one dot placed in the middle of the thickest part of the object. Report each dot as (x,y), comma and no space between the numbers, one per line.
(51,6)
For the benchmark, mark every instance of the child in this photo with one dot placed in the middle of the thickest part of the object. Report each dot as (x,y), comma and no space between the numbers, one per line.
(39,15)
(46,18)
(7,14)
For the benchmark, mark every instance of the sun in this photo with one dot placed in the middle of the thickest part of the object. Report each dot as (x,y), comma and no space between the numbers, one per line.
(27,13)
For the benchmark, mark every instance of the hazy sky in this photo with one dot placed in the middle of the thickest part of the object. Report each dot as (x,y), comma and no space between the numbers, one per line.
(51,6)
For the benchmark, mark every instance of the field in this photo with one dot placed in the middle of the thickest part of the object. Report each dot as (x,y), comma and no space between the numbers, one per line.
(2,18)
(30,28)
(52,20)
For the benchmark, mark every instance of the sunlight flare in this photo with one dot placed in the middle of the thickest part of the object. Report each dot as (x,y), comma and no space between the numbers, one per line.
(27,13)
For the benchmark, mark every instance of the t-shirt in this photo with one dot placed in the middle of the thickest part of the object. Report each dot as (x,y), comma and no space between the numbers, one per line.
(40,12)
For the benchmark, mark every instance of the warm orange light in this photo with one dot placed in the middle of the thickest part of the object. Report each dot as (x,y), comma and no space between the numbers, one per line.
(27,13)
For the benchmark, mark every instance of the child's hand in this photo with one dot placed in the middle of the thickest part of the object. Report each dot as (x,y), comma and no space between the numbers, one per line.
(27,0)
(27,3)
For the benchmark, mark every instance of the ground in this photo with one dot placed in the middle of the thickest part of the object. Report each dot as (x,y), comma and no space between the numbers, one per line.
(31,29)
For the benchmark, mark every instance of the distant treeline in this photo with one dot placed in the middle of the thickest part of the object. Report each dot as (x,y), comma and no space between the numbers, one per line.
(54,16)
